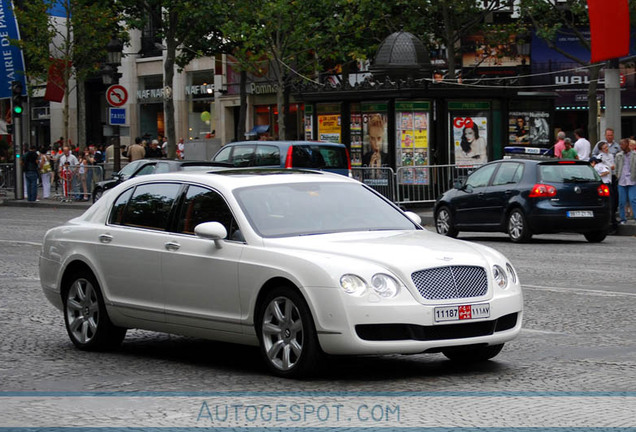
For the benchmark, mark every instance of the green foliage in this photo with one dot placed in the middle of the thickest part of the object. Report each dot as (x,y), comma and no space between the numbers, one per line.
(82,41)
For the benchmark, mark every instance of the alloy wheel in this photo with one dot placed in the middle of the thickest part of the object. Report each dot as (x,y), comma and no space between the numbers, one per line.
(282,333)
(82,311)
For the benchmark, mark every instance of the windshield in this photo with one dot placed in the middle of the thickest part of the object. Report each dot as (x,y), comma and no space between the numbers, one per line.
(317,208)
(565,173)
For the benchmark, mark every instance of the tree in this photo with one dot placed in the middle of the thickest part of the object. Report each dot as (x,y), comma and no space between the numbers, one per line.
(174,21)
(78,41)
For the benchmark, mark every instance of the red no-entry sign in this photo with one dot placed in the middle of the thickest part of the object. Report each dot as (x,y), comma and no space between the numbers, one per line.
(116,95)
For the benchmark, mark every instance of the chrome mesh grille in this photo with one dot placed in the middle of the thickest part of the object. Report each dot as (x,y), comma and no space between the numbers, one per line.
(451,282)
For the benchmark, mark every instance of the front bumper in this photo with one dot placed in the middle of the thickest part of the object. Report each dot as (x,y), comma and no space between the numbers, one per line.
(356,326)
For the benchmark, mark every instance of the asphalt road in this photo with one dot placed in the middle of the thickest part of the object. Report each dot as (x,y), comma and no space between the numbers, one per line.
(578,345)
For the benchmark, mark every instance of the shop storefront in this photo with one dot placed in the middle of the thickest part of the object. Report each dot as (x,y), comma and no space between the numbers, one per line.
(201,108)
(150,95)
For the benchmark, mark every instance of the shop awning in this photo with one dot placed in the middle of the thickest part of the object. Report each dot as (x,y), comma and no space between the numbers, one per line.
(257,130)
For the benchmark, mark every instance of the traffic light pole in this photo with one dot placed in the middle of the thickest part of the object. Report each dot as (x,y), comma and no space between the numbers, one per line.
(17,152)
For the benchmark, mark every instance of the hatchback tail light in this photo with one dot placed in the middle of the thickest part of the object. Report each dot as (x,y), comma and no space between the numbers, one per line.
(288,158)
(542,191)
(603,190)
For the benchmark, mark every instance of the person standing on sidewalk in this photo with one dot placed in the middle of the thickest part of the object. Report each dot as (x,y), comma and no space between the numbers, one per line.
(612,146)
(626,173)
(560,144)
(31,173)
(46,172)
(581,145)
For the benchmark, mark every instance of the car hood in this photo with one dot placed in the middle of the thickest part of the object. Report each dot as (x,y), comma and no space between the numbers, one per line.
(399,251)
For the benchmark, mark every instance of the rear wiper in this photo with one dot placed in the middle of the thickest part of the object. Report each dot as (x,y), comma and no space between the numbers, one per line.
(576,179)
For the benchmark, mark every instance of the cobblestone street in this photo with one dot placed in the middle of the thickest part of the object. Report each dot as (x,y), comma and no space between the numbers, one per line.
(577,351)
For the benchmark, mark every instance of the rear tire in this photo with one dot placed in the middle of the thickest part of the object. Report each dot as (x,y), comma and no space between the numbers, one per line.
(518,229)
(467,355)
(87,322)
(444,223)
(596,236)
(287,334)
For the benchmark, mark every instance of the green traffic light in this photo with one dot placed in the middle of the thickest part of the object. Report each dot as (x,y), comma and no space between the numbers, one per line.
(17,110)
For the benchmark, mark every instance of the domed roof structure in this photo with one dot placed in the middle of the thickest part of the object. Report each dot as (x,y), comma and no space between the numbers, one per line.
(401,55)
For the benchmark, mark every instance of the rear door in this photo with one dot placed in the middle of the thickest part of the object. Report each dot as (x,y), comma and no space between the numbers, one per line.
(131,246)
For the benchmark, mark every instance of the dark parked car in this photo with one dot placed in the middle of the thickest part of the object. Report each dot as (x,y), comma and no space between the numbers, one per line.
(287,154)
(150,166)
(525,197)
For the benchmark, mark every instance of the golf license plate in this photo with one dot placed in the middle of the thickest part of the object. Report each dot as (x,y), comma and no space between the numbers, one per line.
(463,312)
(580,214)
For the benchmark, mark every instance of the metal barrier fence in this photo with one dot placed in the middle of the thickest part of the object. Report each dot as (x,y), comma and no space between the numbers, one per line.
(422,184)
(79,182)
(7,178)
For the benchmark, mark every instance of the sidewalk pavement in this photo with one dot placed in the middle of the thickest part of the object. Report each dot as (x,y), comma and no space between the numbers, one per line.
(426,214)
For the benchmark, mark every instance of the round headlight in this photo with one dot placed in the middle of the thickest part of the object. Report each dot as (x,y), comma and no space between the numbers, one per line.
(511,272)
(385,286)
(500,276)
(353,285)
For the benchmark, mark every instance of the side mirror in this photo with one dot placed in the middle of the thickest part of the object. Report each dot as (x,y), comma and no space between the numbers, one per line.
(414,217)
(211,230)
(116,176)
(458,184)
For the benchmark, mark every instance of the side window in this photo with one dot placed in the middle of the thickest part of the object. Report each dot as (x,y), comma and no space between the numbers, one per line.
(223,155)
(117,212)
(242,156)
(481,177)
(267,155)
(204,205)
(150,205)
(162,167)
(508,173)
(146,169)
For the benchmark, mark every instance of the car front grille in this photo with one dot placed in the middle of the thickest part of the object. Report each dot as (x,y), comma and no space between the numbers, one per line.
(451,282)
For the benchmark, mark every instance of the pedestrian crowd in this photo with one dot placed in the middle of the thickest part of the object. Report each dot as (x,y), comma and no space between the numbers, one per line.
(615,163)
(71,172)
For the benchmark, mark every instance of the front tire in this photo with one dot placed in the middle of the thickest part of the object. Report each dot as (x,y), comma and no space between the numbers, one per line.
(97,194)
(469,355)
(287,334)
(85,316)
(444,223)
(518,229)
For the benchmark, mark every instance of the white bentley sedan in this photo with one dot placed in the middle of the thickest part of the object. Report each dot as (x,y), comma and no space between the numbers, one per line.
(300,263)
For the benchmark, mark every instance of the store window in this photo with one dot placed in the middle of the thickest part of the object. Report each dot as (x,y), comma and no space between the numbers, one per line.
(412,141)
(201,108)
(150,99)
(329,123)
(266,122)
(469,122)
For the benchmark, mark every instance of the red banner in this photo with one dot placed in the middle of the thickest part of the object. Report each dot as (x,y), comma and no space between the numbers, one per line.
(55,82)
(609,29)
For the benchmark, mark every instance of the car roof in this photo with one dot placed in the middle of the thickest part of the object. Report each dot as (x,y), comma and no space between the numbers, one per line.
(284,143)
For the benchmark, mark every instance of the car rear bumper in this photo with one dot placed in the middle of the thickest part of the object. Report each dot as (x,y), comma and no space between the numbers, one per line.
(547,219)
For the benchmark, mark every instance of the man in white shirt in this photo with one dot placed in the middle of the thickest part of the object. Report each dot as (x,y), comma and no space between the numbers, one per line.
(582,146)
(67,156)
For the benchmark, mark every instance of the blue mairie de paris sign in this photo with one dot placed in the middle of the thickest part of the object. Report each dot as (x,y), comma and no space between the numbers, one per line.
(117,116)
(11,63)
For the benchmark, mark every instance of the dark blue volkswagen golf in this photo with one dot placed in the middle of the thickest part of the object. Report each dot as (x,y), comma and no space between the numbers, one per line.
(525,197)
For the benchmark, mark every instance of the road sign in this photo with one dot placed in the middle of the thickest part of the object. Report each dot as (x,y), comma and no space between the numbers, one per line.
(116,95)
(117,116)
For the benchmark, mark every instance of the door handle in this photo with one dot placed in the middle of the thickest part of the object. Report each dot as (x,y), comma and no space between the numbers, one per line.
(172,246)
(105,238)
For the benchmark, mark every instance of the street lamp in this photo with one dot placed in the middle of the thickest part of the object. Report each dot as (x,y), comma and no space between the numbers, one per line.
(110,76)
